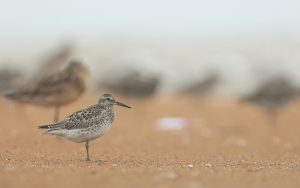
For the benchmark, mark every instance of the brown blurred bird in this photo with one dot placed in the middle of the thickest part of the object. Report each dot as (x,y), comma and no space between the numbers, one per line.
(54,62)
(56,90)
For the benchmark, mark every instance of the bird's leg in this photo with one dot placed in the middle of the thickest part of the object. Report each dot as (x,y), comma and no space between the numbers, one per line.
(87,150)
(273,117)
(56,114)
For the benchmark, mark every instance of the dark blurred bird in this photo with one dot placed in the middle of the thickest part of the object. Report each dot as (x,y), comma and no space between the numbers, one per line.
(133,84)
(10,79)
(273,94)
(56,90)
(203,86)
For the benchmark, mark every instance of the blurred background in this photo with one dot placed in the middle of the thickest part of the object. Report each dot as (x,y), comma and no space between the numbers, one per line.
(214,87)
(176,45)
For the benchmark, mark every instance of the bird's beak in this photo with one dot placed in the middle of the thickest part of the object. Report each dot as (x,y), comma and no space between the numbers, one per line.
(121,104)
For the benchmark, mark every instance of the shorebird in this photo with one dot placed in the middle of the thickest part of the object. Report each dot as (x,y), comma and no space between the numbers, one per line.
(10,78)
(87,124)
(133,84)
(273,95)
(53,62)
(56,90)
(203,86)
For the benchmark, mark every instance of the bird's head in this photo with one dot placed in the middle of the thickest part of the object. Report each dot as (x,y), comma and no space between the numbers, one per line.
(74,64)
(77,69)
(108,99)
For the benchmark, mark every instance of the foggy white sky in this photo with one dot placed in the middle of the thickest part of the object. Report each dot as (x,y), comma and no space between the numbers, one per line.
(177,17)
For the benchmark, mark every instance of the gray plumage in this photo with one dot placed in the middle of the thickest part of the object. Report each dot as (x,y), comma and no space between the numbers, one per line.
(10,78)
(87,124)
(203,86)
(134,84)
(94,115)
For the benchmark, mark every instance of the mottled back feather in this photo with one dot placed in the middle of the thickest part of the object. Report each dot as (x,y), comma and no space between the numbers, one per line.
(93,115)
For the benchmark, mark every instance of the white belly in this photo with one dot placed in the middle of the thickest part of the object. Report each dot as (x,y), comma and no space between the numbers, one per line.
(82,135)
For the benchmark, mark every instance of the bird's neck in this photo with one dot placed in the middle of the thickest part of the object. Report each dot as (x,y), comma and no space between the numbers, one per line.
(107,106)
(109,111)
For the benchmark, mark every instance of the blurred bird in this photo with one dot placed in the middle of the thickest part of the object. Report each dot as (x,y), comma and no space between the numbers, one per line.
(133,84)
(204,85)
(56,90)
(54,62)
(87,124)
(273,95)
(10,79)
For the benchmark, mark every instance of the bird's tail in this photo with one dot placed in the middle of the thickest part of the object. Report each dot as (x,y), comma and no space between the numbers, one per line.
(44,126)
(17,96)
(51,127)
(10,95)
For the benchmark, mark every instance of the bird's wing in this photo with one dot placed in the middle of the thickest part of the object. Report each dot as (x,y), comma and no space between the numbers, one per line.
(54,83)
(47,86)
(84,118)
